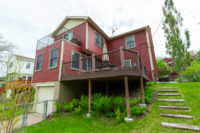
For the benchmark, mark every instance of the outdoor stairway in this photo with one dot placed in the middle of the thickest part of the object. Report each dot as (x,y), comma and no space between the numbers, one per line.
(180,126)
(169,94)
(171,100)
(167,91)
(175,108)
(177,116)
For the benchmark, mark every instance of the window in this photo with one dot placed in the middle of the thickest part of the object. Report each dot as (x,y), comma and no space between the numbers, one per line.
(23,77)
(99,40)
(28,65)
(87,64)
(29,78)
(130,42)
(68,36)
(54,58)
(75,60)
(128,63)
(39,62)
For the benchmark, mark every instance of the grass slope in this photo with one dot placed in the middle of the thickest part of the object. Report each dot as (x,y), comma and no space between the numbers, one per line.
(150,124)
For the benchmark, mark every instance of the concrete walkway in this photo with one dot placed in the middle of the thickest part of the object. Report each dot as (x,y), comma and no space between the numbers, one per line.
(31,120)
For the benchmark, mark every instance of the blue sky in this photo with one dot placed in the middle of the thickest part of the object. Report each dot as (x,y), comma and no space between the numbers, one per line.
(23,22)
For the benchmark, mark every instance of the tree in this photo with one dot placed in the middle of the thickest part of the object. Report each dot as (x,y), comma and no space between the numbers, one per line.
(163,69)
(176,47)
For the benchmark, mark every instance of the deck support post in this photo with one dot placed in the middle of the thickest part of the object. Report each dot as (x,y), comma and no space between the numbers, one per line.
(127,119)
(89,97)
(142,91)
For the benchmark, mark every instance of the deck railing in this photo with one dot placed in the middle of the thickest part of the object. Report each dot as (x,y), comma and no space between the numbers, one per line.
(50,39)
(117,59)
(18,84)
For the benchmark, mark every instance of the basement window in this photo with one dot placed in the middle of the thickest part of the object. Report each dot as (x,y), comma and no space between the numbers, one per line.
(54,58)
(39,62)
(127,63)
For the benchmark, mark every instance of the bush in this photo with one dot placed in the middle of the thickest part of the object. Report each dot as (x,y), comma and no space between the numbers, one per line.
(118,102)
(137,110)
(84,103)
(118,115)
(133,102)
(77,110)
(148,94)
(68,107)
(58,106)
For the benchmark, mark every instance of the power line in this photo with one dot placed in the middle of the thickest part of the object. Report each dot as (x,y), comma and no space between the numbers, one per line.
(158,27)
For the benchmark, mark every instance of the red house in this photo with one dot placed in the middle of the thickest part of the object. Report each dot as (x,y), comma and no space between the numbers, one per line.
(79,57)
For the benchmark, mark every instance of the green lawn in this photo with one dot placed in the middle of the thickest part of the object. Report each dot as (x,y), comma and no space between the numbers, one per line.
(149,124)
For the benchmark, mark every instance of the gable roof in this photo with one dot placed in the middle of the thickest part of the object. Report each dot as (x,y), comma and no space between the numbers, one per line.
(24,58)
(92,23)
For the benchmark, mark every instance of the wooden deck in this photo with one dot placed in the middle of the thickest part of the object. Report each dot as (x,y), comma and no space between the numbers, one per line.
(18,84)
(118,63)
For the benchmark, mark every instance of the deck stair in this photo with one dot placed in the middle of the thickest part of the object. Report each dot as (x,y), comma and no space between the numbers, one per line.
(169,94)
(180,126)
(171,100)
(177,116)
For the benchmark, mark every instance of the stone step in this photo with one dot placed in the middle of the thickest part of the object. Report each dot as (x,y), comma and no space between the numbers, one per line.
(177,116)
(171,100)
(167,90)
(168,87)
(174,107)
(180,126)
(169,94)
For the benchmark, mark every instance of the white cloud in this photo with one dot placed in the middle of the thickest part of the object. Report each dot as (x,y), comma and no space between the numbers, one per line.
(25,21)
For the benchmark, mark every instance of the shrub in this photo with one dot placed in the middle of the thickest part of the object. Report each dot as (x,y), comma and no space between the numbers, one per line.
(148,94)
(68,107)
(77,110)
(84,103)
(75,102)
(137,110)
(118,115)
(58,106)
(107,104)
(163,69)
(118,102)
(133,102)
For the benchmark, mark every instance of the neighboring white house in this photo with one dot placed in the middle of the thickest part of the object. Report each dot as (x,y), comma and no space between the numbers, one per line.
(20,67)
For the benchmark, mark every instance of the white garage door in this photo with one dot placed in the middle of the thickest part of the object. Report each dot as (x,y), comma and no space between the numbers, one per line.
(45,93)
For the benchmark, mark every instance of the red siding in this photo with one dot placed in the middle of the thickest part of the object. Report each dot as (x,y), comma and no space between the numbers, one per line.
(91,41)
(141,46)
(46,74)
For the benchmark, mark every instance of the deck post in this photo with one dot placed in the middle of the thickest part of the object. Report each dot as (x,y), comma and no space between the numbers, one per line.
(142,91)
(80,64)
(93,63)
(89,97)
(122,56)
(127,119)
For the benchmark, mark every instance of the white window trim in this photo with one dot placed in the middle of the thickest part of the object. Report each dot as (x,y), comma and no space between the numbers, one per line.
(133,39)
(129,61)
(37,62)
(95,40)
(50,59)
(71,60)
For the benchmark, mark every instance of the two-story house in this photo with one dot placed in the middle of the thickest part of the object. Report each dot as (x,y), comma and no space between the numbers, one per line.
(19,73)
(80,58)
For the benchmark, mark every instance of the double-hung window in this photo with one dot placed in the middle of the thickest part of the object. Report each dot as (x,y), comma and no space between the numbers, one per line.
(75,60)
(99,40)
(130,41)
(54,58)
(68,36)
(39,62)
(28,65)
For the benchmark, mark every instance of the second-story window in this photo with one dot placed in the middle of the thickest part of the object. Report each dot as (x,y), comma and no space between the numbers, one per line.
(28,65)
(68,36)
(130,41)
(54,58)
(75,60)
(99,40)
(39,62)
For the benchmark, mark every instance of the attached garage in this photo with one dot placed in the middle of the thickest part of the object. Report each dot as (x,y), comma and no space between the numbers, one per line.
(45,93)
